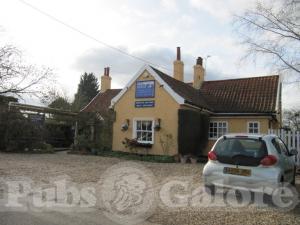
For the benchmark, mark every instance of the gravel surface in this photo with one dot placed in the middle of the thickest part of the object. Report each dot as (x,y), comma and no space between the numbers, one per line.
(90,169)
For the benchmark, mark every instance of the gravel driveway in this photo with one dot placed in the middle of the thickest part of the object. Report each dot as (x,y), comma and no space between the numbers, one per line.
(90,169)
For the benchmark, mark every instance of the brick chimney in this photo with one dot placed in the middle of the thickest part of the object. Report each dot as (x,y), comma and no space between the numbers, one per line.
(105,80)
(198,73)
(178,66)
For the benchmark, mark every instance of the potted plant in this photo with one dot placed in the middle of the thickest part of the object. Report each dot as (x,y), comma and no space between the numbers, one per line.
(194,159)
(183,158)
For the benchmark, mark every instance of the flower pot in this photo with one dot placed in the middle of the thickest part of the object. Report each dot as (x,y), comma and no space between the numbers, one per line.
(194,160)
(183,158)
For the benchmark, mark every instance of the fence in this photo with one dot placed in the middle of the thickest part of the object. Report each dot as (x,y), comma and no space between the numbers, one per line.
(290,138)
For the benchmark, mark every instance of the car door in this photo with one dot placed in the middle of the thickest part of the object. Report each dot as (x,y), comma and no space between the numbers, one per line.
(289,161)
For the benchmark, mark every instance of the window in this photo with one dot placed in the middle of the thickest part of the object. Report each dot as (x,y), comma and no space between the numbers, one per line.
(217,129)
(276,145)
(144,131)
(253,127)
(280,146)
(283,147)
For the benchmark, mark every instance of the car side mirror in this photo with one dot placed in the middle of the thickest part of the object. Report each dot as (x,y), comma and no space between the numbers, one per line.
(293,152)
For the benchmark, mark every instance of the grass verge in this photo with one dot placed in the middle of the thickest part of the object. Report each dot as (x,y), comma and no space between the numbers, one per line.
(132,156)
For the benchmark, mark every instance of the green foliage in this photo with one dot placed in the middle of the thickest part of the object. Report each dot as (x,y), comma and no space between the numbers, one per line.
(21,134)
(86,91)
(102,129)
(192,132)
(60,103)
(4,100)
(83,142)
(130,156)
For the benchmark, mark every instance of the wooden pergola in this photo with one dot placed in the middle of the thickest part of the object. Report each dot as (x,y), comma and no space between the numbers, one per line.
(27,109)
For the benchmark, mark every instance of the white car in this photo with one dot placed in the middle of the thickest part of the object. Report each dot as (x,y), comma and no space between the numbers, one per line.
(249,161)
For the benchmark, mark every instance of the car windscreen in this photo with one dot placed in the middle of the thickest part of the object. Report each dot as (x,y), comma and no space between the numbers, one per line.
(241,151)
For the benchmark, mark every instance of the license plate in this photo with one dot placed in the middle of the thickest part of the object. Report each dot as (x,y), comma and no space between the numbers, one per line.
(237,171)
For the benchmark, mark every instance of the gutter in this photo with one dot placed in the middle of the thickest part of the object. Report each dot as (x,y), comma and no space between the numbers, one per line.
(187,103)
(245,114)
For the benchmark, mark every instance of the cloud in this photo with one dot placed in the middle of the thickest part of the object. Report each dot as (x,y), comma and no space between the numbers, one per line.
(290,97)
(123,67)
(169,4)
(221,9)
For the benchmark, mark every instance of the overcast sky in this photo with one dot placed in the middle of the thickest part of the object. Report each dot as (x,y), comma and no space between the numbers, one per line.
(148,29)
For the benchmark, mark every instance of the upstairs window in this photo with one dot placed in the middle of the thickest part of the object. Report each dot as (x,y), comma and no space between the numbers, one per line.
(217,129)
(253,127)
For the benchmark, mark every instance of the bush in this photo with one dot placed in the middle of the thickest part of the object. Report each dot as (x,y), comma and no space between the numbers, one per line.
(102,137)
(21,134)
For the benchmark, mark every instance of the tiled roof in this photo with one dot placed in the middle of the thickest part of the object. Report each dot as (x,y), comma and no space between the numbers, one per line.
(101,102)
(246,95)
(190,94)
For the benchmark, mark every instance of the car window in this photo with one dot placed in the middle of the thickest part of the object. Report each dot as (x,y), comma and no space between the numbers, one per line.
(241,146)
(276,145)
(283,147)
(242,151)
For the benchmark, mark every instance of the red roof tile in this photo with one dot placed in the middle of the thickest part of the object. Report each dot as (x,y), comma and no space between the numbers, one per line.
(245,95)
(101,102)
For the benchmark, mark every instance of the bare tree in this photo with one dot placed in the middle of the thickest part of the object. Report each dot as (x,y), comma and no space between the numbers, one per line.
(18,78)
(272,30)
(292,118)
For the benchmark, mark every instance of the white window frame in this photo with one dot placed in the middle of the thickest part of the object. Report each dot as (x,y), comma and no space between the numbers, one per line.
(218,135)
(135,129)
(258,127)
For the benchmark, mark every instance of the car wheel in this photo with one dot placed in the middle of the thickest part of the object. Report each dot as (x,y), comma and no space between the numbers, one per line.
(210,189)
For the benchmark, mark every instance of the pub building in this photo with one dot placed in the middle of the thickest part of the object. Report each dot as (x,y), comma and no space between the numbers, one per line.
(165,115)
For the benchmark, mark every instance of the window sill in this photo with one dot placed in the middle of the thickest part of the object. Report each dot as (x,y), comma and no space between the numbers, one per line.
(144,145)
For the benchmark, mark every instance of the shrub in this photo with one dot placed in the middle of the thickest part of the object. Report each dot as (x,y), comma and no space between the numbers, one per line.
(21,133)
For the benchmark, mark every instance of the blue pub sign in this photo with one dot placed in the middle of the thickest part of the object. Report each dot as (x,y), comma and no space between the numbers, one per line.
(145,89)
(144,104)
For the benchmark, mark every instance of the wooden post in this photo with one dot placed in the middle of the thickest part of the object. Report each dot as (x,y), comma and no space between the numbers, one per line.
(76,134)
(92,132)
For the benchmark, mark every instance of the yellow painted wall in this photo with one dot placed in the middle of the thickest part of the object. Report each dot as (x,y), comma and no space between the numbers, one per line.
(240,125)
(166,108)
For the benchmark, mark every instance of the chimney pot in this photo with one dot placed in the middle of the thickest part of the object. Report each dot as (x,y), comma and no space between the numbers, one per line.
(178,56)
(199,61)
(107,71)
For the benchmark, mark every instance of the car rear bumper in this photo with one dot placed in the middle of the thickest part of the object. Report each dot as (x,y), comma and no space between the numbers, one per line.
(262,179)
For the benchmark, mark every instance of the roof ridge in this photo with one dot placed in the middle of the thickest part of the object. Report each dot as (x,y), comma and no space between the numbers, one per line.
(182,82)
(189,93)
(243,78)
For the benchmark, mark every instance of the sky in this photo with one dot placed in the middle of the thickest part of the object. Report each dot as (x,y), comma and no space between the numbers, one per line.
(147,29)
